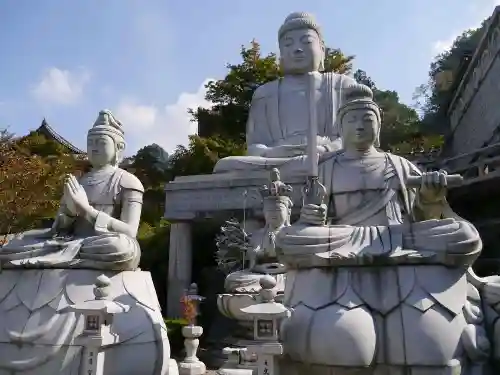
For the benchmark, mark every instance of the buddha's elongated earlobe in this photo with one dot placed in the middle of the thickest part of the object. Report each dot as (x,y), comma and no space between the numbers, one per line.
(321,67)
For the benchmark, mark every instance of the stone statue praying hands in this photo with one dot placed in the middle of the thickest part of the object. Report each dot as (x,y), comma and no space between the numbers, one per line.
(98,217)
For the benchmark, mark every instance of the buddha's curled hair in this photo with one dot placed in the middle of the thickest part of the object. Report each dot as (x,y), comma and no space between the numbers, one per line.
(356,91)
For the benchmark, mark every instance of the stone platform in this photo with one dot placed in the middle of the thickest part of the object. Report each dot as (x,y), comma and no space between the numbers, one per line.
(189,198)
(219,196)
(39,335)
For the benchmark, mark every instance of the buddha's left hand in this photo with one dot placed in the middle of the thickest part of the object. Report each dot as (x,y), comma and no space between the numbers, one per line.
(434,187)
(75,192)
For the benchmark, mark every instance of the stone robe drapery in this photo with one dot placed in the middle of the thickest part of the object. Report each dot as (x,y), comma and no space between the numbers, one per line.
(83,247)
(376,290)
(381,224)
(265,125)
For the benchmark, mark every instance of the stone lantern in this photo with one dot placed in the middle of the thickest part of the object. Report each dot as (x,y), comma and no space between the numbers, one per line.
(191,364)
(98,316)
(267,316)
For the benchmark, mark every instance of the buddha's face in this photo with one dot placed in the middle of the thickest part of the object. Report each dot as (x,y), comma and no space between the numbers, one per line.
(360,128)
(101,150)
(301,51)
(275,212)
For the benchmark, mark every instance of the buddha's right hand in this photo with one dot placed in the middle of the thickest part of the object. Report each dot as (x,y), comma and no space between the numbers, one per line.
(285,151)
(312,214)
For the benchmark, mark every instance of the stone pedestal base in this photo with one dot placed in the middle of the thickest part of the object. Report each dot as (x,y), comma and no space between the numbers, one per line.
(39,336)
(173,369)
(235,371)
(192,368)
(189,198)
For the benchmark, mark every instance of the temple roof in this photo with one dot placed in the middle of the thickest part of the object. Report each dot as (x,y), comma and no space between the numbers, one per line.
(49,132)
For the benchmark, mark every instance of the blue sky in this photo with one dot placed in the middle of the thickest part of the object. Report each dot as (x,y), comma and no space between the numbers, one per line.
(147,60)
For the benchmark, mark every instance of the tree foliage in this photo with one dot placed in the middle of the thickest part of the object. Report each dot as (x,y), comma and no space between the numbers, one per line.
(445,73)
(31,183)
(150,164)
(400,131)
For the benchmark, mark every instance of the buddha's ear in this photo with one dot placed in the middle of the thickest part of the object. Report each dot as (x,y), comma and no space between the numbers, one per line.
(120,146)
(323,57)
(323,47)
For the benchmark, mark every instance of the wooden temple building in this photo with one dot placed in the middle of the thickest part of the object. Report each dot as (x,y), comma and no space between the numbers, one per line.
(48,131)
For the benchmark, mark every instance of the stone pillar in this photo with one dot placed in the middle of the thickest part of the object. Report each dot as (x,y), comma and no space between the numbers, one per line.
(180,261)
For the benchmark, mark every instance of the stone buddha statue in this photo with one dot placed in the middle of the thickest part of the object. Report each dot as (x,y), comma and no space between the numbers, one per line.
(377,274)
(279,117)
(99,214)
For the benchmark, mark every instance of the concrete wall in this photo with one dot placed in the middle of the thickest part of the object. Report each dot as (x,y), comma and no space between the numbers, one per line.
(474,112)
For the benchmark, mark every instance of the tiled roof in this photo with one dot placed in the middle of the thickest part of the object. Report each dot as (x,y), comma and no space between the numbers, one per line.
(48,131)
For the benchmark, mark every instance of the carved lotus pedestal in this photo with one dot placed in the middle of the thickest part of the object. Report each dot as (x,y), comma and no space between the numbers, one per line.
(241,295)
(39,334)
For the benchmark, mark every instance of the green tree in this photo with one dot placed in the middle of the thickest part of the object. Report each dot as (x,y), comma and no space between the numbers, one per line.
(150,164)
(31,185)
(39,144)
(445,73)
(200,156)
(400,132)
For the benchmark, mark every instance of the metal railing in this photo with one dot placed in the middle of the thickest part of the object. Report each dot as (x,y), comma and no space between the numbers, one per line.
(478,165)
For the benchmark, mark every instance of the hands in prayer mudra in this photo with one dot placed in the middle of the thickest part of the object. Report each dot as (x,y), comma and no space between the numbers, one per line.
(74,201)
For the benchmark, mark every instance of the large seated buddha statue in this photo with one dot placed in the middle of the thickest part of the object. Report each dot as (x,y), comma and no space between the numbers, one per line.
(47,271)
(378,266)
(278,120)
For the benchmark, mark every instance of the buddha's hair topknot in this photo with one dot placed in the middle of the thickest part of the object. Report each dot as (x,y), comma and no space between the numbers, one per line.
(300,20)
(357,91)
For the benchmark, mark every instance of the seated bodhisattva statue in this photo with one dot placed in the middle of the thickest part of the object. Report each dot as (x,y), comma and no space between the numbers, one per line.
(99,214)
(377,271)
(279,118)
(48,273)
(258,247)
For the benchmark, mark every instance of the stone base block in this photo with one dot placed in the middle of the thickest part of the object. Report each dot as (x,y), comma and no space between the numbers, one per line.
(173,369)
(40,336)
(235,371)
(206,196)
(192,368)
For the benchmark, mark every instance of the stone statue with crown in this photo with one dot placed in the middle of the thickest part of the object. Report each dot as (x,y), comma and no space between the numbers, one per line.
(45,271)
(253,255)
(278,122)
(378,265)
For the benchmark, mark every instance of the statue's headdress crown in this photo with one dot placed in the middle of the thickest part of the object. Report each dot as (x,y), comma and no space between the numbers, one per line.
(276,189)
(300,20)
(358,96)
(106,123)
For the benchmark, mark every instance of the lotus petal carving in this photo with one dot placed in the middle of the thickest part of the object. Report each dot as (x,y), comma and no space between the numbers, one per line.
(230,305)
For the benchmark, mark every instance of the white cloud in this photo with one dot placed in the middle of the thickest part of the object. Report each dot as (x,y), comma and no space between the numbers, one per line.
(480,9)
(143,117)
(59,86)
(441,46)
(167,126)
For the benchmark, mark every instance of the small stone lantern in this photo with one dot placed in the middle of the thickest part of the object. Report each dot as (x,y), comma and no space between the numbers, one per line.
(191,365)
(98,316)
(267,316)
